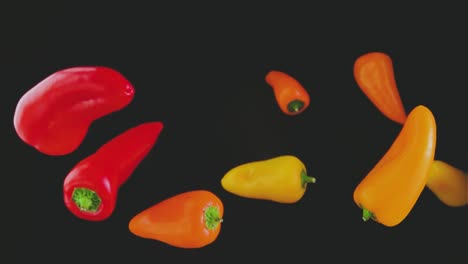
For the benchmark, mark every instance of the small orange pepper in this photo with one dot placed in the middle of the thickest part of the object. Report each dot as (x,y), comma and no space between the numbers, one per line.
(448,183)
(187,220)
(374,75)
(390,190)
(291,96)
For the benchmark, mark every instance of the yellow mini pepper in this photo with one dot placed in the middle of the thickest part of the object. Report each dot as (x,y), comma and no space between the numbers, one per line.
(281,179)
(448,183)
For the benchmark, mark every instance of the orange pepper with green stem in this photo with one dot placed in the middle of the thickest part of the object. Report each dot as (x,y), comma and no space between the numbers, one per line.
(448,183)
(390,190)
(375,76)
(187,220)
(291,96)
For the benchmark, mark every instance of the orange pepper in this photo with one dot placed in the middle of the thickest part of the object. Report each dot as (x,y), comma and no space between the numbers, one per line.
(291,96)
(448,183)
(390,190)
(374,75)
(187,220)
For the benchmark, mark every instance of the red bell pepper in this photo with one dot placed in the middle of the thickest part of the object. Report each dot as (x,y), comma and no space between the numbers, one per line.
(90,189)
(54,115)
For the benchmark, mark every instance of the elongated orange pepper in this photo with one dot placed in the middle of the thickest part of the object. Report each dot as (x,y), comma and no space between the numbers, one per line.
(448,183)
(291,96)
(375,76)
(390,190)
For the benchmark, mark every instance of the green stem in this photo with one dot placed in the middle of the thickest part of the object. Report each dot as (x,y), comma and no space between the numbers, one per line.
(212,217)
(295,106)
(366,214)
(86,200)
(305,179)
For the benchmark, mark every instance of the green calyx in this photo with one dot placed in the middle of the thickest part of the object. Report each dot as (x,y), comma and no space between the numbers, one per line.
(295,106)
(212,217)
(86,200)
(305,179)
(366,214)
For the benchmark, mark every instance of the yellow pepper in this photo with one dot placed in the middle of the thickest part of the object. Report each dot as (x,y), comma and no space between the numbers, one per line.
(448,183)
(281,179)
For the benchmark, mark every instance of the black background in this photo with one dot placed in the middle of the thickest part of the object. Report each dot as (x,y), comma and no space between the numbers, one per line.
(200,70)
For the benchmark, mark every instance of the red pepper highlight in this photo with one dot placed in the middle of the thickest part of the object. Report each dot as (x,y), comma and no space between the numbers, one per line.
(91,187)
(54,115)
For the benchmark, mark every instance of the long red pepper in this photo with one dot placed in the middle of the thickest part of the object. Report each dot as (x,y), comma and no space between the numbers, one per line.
(91,187)
(54,115)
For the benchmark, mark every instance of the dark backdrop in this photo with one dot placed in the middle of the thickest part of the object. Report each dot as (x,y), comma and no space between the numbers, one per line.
(201,71)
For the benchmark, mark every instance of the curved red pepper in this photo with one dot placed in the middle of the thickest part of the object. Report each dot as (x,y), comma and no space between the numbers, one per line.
(91,187)
(54,116)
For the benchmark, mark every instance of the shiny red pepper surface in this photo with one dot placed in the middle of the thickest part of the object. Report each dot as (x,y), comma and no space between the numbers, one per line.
(91,188)
(54,115)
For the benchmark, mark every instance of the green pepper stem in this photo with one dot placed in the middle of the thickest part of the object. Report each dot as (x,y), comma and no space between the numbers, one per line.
(295,106)
(86,200)
(305,179)
(212,217)
(366,214)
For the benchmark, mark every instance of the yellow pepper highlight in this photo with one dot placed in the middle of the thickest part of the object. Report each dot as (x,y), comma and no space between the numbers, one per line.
(281,179)
(448,183)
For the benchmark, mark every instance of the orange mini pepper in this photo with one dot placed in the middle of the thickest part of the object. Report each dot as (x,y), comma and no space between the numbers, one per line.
(374,75)
(390,190)
(291,96)
(188,220)
(448,183)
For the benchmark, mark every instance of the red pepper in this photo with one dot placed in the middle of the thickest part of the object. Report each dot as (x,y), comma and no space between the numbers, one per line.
(91,187)
(54,115)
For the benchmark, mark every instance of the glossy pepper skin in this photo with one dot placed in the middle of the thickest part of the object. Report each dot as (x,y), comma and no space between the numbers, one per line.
(291,96)
(448,183)
(281,179)
(90,189)
(55,114)
(187,220)
(390,190)
(375,76)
